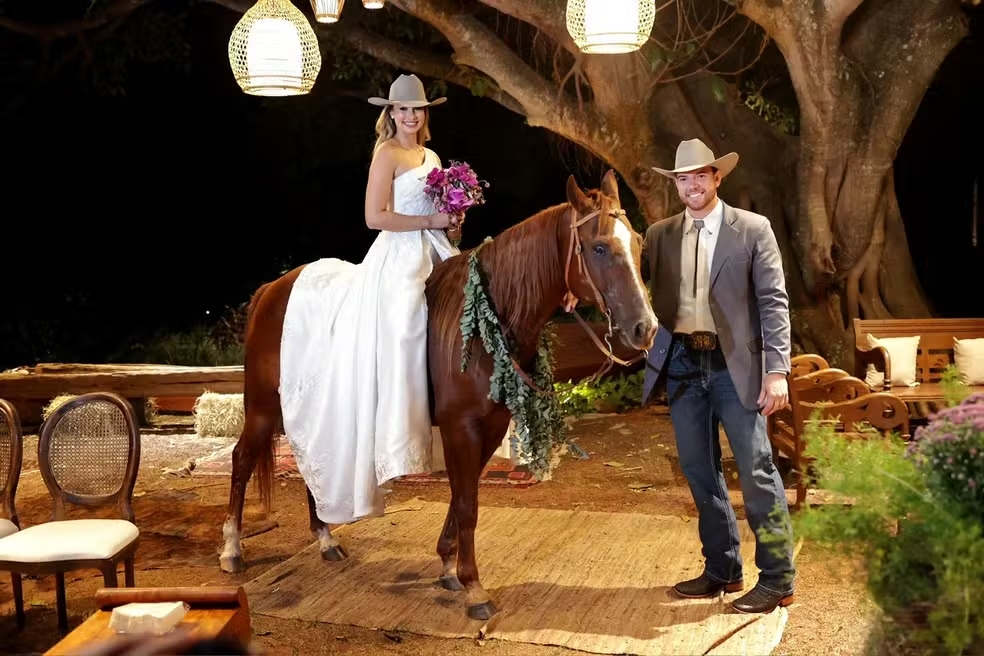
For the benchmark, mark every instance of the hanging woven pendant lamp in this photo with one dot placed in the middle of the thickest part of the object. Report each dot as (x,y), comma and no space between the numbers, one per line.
(273,50)
(373,4)
(610,26)
(327,11)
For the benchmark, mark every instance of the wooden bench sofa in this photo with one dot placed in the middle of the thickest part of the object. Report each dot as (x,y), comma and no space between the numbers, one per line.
(934,354)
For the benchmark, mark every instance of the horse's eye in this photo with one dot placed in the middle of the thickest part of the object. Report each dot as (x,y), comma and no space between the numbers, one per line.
(599,249)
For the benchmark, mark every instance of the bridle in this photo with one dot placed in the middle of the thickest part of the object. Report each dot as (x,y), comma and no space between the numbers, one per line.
(571,300)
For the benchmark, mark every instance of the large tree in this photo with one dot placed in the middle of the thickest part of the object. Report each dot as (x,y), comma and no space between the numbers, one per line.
(858,69)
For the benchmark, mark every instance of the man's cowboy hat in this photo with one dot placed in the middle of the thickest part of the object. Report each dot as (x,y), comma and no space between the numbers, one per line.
(408,91)
(693,155)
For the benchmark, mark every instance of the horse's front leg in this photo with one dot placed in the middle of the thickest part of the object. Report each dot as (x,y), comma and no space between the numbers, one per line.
(447,549)
(465,465)
(330,548)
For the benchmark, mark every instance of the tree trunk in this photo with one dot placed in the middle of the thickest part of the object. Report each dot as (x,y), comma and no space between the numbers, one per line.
(858,85)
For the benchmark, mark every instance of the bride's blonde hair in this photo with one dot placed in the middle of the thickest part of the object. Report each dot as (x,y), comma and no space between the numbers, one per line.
(386,128)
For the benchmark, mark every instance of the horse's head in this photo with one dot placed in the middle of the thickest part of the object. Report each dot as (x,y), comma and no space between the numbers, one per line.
(601,237)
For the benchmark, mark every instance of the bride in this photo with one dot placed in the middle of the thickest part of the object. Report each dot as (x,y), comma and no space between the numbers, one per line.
(353,355)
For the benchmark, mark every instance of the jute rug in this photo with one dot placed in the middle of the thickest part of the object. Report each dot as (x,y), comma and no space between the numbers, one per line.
(499,471)
(596,582)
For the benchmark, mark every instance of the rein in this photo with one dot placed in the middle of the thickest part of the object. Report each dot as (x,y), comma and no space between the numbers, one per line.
(570,302)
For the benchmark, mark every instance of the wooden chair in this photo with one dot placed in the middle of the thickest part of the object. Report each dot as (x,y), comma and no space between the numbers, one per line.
(807,363)
(881,411)
(11,458)
(853,418)
(89,455)
(827,385)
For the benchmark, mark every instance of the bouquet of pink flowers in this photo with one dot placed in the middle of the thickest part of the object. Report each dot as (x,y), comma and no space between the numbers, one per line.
(454,190)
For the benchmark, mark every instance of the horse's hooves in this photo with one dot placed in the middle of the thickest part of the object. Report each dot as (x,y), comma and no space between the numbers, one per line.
(482,611)
(334,554)
(232,564)
(451,583)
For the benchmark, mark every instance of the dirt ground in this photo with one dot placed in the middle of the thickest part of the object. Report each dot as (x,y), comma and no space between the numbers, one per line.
(632,468)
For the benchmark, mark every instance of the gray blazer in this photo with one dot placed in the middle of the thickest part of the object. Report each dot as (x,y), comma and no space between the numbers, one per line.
(748,299)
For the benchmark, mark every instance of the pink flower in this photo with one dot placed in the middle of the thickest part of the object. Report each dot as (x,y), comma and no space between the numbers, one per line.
(436,178)
(455,189)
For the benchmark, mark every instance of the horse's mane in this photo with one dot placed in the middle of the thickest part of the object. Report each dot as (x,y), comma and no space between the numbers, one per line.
(519,266)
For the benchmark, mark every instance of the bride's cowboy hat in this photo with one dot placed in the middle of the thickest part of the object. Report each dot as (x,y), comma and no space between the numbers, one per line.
(408,91)
(693,155)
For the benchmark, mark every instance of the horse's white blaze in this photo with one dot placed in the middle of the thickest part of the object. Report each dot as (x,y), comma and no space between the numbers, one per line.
(230,534)
(624,237)
(326,540)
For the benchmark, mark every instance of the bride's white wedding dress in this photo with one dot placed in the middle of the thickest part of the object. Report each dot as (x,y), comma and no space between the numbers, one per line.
(353,364)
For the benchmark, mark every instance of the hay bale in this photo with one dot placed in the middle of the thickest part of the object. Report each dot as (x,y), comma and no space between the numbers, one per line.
(150,406)
(219,415)
(55,403)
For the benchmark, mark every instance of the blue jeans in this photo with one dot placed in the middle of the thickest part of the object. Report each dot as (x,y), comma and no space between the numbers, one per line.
(702,396)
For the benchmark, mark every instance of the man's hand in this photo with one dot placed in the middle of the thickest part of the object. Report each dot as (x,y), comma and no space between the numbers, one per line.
(775,393)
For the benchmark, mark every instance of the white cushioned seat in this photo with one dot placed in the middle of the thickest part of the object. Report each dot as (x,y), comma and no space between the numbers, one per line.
(74,539)
(7,527)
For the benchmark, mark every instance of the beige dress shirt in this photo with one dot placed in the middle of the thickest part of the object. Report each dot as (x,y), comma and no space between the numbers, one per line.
(697,250)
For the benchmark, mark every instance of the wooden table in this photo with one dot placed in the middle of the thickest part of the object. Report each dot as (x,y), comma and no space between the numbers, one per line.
(220,612)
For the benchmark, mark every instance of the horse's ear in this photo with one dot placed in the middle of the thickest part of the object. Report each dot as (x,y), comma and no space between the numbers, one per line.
(609,185)
(576,197)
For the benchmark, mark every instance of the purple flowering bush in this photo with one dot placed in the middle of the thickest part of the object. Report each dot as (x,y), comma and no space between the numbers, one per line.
(950,452)
(915,518)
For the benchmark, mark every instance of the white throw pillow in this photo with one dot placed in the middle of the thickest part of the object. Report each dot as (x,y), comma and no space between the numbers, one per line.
(968,355)
(902,353)
(874,379)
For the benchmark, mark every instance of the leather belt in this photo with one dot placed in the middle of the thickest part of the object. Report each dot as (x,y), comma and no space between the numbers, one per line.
(700,340)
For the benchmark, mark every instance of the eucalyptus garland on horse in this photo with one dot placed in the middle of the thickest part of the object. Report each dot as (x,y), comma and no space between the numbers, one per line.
(503,292)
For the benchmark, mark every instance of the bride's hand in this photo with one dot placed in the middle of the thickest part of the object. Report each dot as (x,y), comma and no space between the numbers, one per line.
(439,221)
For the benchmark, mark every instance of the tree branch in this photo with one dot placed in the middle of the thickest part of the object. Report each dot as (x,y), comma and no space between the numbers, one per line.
(762,12)
(900,45)
(426,63)
(107,12)
(477,46)
(838,11)
(549,16)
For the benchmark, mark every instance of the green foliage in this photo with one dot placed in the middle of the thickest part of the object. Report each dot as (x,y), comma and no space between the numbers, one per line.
(772,112)
(924,556)
(954,389)
(612,394)
(718,88)
(197,347)
(539,420)
(214,345)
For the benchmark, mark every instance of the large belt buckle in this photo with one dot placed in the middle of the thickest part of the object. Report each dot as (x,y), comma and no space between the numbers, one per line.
(701,340)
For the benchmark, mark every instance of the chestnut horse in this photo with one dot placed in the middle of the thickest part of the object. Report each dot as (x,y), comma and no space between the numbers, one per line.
(582,249)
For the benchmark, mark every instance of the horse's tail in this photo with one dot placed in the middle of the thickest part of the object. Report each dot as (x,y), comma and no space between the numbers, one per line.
(263,474)
(251,307)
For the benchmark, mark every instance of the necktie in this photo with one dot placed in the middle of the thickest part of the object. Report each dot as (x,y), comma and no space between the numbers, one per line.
(699,225)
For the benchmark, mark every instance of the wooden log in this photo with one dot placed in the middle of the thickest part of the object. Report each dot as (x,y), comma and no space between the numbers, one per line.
(79,367)
(190,381)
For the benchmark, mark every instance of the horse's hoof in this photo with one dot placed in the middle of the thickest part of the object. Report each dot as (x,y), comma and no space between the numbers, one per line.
(334,554)
(232,564)
(450,582)
(482,611)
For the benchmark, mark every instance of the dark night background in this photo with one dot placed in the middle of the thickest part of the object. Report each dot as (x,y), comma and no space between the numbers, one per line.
(129,215)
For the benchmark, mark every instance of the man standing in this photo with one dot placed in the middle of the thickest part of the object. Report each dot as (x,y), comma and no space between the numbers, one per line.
(718,290)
